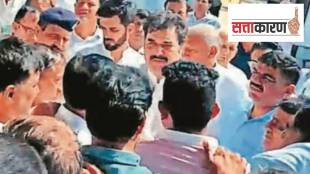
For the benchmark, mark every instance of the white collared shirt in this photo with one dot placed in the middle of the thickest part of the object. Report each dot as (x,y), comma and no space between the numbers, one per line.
(131,58)
(76,123)
(66,4)
(9,11)
(91,45)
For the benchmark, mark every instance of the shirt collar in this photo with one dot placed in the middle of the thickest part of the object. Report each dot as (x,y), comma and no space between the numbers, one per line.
(187,138)
(97,35)
(108,156)
(73,120)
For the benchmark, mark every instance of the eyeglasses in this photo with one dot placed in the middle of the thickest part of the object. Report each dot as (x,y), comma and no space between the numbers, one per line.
(265,78)
(29,30)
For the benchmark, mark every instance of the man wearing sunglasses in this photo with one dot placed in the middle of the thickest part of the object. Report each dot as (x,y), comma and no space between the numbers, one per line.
(273,78)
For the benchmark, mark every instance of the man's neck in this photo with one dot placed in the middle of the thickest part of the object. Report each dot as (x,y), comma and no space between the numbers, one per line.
(118,53)
(128,147)
(200,15)
(259,111)
(78,112)
(86,29)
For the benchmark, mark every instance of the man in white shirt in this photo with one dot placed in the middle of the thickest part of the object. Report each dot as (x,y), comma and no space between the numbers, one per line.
(114,19)
(20,72)
(202,45)
(228,50)
(87,37)
(136,32)
(189,99)
(164,36)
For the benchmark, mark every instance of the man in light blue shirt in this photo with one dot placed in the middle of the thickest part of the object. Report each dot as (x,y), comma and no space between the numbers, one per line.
(274,78)
(201,14)
(294,158)
(116,119)
(286,141)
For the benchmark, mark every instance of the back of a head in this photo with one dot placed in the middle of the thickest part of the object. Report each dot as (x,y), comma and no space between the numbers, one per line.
(123,97)
(58,16)
(267,46)
(124,9)
(17,61)
(17,157)
(286,64)
(165,20)
(78,73)
(142,13)
(207,32)
(302,120)
(189,94)
(54,141)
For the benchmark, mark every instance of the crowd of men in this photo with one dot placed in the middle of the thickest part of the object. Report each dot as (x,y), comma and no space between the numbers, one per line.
(102,87)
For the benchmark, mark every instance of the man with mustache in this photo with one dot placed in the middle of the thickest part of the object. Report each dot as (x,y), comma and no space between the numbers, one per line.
(115,17)
(87,37)
(164,36)
(273,78)
(56,26)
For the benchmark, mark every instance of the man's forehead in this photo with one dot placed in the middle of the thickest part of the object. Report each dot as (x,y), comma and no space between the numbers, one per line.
(163,35)
(56,29)
(109,20)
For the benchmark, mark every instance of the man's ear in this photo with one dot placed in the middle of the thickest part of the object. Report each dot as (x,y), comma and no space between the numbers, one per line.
(9,91)
(215,110)
(15,26)
(213,51)
(130,28)
(290,90)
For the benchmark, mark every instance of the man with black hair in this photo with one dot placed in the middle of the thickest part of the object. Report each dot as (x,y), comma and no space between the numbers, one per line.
(56,26)
(87,37)
(177,6)
(189,99)
(116,118)
(273,78)
(164,36)
(78,94)
(260,48)
(135,30)
(25,25)
(16,156)
(19,74)
(115,16)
